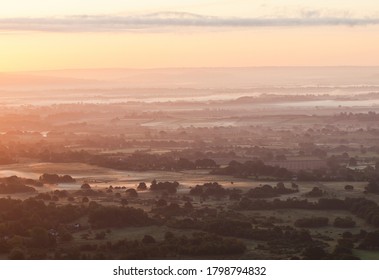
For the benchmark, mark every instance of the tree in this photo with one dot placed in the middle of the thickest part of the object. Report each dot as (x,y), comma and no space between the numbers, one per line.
(314,253)
(153,183)
(281,157)
(315,192)
(184,164)
(280,185)
(124,202)
(64,234)
(132,193)
(148,239)
(352,162)
(370,241)
(169,236)
(319,153)
(344,222)
(169,187)
(205,163)
(85,186)
(161,203)
(188,205)
(142,186)
(40,238)
(17,254)
(372,187)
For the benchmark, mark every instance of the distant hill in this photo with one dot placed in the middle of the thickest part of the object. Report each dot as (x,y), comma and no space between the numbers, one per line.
(194,77)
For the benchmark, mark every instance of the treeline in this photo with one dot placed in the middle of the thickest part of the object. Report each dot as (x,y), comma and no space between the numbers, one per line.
(293,203)
(244,229)
(147,247)
(199,244)
(253,168)
(19,181)
(32,229)
(14,184)
(267,191)
(55,179)
(137,161)
(144,161)
(373,185)
(32,224)
(335,171)
(361,207)
(214,189)
(369,116)
(281,240)
(365,209)
(11,188)
(284,241)
(103,217)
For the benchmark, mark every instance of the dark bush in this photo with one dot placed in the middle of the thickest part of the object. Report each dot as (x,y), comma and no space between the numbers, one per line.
(344,222)
(313,222)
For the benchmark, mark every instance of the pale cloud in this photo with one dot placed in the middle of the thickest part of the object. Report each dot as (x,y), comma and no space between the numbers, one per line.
(174,20)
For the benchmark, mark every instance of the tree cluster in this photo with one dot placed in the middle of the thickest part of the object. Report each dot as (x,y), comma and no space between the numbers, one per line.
(267,191)
(47,178)
(169,187)
(102,217)
(255,169)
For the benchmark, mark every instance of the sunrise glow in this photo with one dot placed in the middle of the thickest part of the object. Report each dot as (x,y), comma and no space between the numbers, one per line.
(36,35)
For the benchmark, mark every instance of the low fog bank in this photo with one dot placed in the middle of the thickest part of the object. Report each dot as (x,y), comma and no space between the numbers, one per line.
(183,84)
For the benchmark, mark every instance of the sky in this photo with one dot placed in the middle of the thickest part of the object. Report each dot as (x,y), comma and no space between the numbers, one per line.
(56,34)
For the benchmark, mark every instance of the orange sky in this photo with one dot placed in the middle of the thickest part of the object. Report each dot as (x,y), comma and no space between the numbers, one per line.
(45,45)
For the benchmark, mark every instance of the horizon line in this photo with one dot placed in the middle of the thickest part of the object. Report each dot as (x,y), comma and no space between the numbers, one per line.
(189,67)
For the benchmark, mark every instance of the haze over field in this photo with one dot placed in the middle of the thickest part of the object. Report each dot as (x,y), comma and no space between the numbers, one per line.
(107,86)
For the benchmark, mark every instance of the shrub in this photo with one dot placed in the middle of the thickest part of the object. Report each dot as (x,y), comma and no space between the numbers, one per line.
(344,222)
